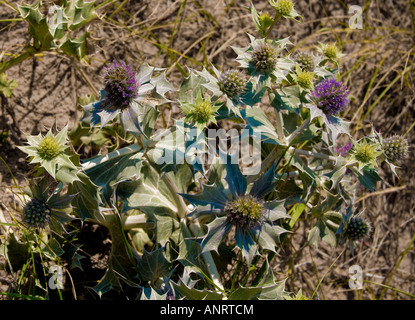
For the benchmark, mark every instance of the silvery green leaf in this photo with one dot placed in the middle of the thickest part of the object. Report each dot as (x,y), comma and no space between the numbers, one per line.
(52,249)
(191,87)
(217,230)
(88,200)
(153,265)
(183,291)
(151,294)
(369,178)
(245,293)
(288,98)
(245,241)
(189,252)
(264,240)
(109,170)
(39,29)
(147,193)
(165,223)
(258,120)
(76,47)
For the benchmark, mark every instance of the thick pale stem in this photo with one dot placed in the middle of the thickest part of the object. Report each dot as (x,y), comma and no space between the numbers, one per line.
(136,221)
(127,222)
(181,205)
(280,127)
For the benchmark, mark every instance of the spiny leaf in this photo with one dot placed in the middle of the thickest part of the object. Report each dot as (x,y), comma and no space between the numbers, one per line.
(153,265)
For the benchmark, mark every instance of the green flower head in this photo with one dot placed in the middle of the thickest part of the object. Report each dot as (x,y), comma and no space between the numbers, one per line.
(306,61)
(304,79)
(366,153)
(49,151)
(284,7)
(200,113)
(49,148)
(330,50)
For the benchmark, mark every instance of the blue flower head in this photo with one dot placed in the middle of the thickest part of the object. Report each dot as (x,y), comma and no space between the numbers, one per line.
(331,97)
(121,85)
(127,95)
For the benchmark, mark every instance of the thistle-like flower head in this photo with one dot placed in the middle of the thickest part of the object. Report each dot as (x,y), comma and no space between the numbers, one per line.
(331,97)
(49,148)
(201,112)
(353,227)
(128,95)
(120,85)
(232,83)
(304,79)
(245,211)
(306,61)
(356,229)
(36,213)
(234,208)
(42,210)
(264,58)
(395,148)
(330,50)
(365,152)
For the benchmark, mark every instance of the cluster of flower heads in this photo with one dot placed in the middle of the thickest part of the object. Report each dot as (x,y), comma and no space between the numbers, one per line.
(331,97)
(120,84)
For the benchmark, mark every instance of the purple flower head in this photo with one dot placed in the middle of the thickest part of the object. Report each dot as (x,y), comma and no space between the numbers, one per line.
(343,151)
(121,85)
(331,97)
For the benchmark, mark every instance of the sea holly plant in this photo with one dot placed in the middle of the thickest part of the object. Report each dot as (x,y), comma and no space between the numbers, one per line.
(188,217)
